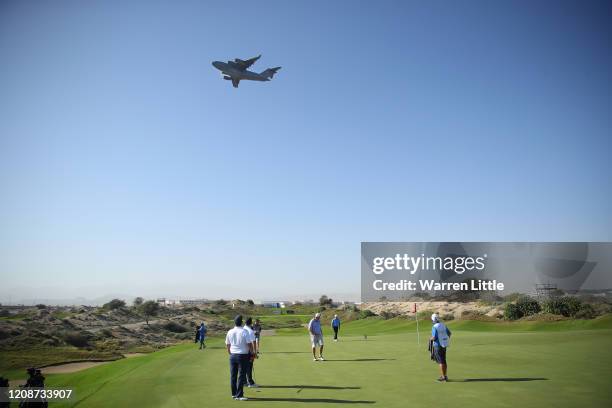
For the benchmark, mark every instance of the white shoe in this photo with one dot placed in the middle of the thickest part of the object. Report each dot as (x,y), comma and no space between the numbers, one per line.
(253,386)
(321,358)
(315,359)
(241,399)
(336,340)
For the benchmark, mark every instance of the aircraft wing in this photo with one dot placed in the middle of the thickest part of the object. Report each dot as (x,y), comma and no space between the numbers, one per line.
(242,64)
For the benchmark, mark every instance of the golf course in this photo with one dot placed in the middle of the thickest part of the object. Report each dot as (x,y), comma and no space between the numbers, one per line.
(506,364)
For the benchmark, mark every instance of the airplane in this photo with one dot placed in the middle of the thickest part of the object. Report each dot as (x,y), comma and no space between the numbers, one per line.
(237,70)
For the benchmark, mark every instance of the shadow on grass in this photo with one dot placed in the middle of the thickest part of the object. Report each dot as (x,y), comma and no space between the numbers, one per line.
(363,359)
(313,387)
(319,400)
(514,379)
(355,339)
(287,352)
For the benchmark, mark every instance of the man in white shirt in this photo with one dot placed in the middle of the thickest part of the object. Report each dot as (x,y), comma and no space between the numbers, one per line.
(239,349)
(248,327)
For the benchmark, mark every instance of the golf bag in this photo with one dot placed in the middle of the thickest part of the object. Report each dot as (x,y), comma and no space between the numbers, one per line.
(430,348)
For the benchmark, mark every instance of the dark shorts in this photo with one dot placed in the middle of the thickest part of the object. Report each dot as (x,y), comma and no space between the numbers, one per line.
(440,354)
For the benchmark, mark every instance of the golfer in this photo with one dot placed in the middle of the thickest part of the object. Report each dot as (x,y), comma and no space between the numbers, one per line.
(440,336)
(335,323)
(202,335)
(257,330)
(249,369)
(316,337)
(239,349)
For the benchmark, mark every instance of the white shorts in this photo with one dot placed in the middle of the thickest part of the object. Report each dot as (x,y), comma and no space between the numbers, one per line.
(316,340)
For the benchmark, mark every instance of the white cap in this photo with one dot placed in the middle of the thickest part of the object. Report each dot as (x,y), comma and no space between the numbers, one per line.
(318,315)
(335,315)
(434,317)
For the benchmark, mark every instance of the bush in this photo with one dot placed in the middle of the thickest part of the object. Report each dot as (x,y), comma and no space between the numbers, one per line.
(388,315)
(76,339)
(512,312)
(4,313)
(447,317)
(566,306)
(527,306)
(324,300)
(586,312)
(149,308)
(364,314)
(41,306)
(351,308)
(114,304)
(106,333)
(4,334)
(175,327)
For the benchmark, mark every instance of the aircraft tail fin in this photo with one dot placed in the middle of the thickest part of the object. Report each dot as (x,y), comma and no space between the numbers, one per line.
(269,73)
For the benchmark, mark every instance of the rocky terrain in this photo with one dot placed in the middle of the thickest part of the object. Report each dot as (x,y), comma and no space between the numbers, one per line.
(457,310)
(92,328)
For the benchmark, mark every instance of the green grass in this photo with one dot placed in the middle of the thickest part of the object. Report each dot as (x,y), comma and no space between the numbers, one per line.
(302,318)
(561,364)
(377,325)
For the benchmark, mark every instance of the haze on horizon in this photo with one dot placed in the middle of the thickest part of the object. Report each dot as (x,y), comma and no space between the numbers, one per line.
(129,166)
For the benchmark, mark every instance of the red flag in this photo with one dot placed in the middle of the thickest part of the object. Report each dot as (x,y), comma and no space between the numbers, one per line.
(414,309)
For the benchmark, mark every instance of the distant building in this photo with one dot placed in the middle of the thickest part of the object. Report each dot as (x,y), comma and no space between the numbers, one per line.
(192,302)
(167,302)
(274,303)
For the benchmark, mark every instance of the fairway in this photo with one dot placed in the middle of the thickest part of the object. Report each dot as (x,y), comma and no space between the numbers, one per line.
(562,368)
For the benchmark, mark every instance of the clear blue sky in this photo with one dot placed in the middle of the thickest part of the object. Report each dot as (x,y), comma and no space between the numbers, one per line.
(127,165)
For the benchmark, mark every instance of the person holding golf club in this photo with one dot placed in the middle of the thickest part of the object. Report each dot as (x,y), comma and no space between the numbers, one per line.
(440,336)
(257,330)
(316,337)
(248,327)
(239,348)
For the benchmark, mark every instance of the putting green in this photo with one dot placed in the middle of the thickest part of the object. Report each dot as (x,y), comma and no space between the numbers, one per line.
(534,368)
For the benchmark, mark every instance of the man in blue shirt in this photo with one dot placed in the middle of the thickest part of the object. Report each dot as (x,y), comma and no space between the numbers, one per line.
(202,335)
(440,336)
(336,326)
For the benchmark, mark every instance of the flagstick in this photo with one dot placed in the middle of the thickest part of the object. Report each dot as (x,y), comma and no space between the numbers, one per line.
(416,316)
(418,334)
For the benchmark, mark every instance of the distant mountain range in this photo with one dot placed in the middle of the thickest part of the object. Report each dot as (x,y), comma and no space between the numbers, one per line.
(98,301)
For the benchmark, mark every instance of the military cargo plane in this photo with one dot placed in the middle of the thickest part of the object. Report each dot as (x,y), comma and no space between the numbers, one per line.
(237,70)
